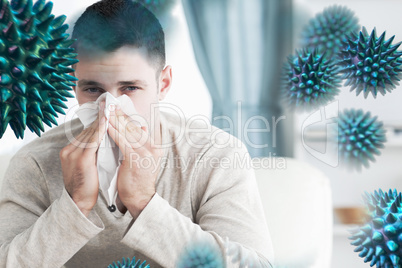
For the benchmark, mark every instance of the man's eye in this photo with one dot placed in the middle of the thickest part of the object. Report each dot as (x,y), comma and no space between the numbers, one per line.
(131,88)
(92,90)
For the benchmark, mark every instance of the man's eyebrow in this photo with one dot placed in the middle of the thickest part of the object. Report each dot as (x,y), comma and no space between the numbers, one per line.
(133,82)
(84,82)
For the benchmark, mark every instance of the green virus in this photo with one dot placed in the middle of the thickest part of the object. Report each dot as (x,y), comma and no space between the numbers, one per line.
(328,29)
(379,240)
(309,80)
(370,63)
(35,56)
(360,137)
(201,254)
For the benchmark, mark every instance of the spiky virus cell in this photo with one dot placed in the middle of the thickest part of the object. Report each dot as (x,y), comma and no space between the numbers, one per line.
(201,255)
(310,80)
(127,263)
(370,63)
(379,240)
(360,137)
(326,30)
(158,6)
(34,59)
(242,257)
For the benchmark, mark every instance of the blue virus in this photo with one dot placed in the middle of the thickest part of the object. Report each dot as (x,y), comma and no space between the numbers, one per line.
(201,254)
(379,240)
(163,11)
(370,63)
(34,59)
(310,80)
(326,30)
(127,263)
(359,137)
(158,7)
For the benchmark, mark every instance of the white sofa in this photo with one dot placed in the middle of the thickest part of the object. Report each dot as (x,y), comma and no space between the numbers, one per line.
(298,209)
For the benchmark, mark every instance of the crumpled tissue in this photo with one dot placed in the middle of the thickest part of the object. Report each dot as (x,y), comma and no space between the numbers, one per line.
(109,155)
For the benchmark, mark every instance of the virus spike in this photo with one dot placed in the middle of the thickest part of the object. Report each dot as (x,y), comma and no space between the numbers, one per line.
(46,52)
(5,12)
(394,207)
(390,231)
(28,25)
(25,11)
(44,25)
(127,263)
(391,218)
(377,237)
(59,31)
(46,69)
(50,118)
(45,12)
(59,109)
(11,33)
(39,5)
(5,79)
(57,22)
(35,108)
(363,253)
(55,42)
(395,260)
(383,204)
(378,223)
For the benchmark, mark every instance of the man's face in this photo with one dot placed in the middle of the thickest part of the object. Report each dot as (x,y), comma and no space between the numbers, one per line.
(125,71)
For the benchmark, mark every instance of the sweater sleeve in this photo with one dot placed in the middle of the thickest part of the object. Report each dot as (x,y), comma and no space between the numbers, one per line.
(33,231)
(228,215)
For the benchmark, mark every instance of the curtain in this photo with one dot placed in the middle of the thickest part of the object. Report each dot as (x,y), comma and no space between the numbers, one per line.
(240,46)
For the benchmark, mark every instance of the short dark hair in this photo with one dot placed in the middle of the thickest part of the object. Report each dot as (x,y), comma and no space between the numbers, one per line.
(110,24)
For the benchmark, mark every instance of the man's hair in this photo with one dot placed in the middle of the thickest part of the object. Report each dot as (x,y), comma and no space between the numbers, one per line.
(110,24)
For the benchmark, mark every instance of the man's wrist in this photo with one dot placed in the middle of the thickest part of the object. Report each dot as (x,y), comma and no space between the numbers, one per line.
(85,212)
(136,208)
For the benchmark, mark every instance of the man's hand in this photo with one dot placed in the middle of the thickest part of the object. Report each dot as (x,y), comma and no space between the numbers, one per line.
(78,162)
(135,184)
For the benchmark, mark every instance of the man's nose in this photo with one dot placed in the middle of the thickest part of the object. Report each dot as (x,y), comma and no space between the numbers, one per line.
(116,93)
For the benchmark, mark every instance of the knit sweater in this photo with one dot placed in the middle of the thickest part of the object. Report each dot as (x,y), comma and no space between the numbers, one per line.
(205,191)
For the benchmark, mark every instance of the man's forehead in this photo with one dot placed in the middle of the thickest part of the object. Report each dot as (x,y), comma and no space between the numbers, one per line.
(138,82)
(124,54)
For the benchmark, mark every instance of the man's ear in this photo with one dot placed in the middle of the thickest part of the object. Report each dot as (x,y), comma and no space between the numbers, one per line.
(165,81)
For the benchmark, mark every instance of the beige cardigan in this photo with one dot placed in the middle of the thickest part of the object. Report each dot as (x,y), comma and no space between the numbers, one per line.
(205,192)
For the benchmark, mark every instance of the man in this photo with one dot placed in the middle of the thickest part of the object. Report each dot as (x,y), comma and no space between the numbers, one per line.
(52,212)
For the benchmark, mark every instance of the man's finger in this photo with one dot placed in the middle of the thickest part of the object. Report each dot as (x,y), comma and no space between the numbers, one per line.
(93,141)
(119,139)
(128,127)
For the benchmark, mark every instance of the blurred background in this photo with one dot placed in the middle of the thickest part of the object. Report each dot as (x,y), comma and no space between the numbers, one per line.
(227,59)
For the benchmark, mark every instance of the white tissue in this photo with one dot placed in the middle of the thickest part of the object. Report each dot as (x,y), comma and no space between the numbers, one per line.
(109,155)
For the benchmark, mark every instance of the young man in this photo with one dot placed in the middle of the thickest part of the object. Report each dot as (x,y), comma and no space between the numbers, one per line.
(52,212)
